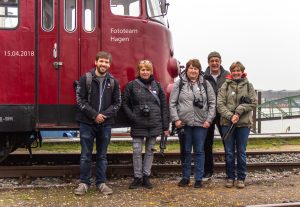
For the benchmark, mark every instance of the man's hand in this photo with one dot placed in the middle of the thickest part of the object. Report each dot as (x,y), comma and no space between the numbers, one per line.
(100,118)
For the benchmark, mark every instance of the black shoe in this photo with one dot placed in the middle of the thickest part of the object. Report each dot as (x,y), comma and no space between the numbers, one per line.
(146,182)
(207,176)
(137,182)
(183,182)
(198,184)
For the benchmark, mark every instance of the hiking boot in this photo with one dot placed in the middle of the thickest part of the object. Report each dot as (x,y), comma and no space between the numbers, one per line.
(198,184)
(146,182)
(229,183)
(183,182)
(81,189)
(240,184)
(207,177)
(105,189)
(137,182)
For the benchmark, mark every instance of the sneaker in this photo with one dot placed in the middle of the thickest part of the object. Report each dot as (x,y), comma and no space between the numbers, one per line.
(240,184)
(229,183)
(105,189)
(81,189)
(146,182)
(198,184)
(137,182)
(183,182)
(207,176)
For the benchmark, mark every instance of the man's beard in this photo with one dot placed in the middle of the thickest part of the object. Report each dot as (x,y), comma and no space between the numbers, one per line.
(100,71)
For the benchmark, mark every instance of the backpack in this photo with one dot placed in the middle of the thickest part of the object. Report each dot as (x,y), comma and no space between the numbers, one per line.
(88,84)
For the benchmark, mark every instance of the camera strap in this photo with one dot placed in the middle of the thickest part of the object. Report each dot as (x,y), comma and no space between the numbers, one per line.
(154,95)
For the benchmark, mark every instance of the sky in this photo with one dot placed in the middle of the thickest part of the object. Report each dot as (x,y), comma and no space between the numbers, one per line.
(263,34)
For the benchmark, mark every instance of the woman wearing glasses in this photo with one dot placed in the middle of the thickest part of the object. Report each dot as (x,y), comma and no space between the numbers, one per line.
(144,103)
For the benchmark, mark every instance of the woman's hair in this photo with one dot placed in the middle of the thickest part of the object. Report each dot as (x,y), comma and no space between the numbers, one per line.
(237,64)
(194,62)
(145,63)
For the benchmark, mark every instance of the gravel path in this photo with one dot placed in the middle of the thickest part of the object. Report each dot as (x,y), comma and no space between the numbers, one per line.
(262,188)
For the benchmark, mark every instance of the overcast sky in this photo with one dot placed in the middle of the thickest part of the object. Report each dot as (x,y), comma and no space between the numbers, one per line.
(263,34)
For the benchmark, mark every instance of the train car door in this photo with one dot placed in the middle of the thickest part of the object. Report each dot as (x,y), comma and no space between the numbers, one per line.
(67,44)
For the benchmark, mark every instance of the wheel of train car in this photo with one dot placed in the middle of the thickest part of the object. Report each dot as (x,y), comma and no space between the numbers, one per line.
(7,145)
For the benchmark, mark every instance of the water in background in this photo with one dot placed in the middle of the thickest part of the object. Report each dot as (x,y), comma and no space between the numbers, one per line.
(281,126)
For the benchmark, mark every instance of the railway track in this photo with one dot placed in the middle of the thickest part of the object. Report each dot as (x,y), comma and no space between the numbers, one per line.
(120,164)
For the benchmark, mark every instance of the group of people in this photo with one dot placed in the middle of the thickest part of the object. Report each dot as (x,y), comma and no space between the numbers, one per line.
(199,101)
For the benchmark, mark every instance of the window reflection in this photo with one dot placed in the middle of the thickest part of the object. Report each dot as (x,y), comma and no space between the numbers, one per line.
(47,15)
(70,15)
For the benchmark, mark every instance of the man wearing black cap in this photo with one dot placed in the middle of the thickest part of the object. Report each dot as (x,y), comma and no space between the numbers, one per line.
(215,74)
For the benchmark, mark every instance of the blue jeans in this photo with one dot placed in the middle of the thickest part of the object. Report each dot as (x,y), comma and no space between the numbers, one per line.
(236,145)
(193,137)
(87,135)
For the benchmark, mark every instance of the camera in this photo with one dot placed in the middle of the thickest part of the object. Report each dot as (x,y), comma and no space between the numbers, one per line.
(180,131)
(197,102)
(245,100)
(145,110)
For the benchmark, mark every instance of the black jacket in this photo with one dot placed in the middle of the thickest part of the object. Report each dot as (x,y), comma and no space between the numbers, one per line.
(135,97)
(220,79)
(110,102)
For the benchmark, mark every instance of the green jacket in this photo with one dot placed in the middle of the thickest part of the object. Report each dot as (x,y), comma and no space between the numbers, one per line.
(228,101)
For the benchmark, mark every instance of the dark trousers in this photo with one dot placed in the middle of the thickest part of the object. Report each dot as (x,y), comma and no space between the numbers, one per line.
(87,135)
(208,145)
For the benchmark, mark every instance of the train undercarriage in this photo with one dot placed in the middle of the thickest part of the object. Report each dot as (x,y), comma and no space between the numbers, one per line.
(10,141)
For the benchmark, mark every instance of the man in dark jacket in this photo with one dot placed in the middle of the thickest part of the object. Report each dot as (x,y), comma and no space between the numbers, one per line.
(215,74)
(98,100)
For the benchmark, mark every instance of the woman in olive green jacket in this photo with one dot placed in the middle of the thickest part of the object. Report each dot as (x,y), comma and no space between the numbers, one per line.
(235,102)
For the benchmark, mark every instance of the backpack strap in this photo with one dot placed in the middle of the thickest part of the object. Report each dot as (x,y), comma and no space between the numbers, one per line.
(179,89)
(205,87)
(154,95)
(112,84)
(88,84)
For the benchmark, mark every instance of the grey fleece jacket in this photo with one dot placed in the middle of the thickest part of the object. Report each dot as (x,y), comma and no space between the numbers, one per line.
(184,109)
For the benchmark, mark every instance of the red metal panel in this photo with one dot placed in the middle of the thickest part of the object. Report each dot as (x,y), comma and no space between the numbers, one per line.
(17,80)
(131,39)
(47,74)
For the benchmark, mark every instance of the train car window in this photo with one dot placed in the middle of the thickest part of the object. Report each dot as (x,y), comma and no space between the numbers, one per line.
(47,15)
(9,14)
(89,16)
(125,7)
(154,10)
(70,15)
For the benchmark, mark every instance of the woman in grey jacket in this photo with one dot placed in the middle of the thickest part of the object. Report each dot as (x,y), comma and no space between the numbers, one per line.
(192,108)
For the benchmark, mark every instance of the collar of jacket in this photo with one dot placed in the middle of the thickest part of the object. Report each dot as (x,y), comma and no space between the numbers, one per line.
(244,76)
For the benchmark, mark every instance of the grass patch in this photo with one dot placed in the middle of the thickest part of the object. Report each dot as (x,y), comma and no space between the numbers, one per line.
(173,146)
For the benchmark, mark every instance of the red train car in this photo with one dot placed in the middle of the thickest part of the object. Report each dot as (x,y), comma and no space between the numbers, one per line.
(47,44)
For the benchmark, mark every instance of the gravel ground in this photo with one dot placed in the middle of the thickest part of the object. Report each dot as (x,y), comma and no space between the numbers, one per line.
(261,188)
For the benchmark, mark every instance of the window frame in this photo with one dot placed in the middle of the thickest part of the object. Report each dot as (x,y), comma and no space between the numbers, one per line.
(53,17)
(76,17)
(94,17)
(6,5)
(124,15)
